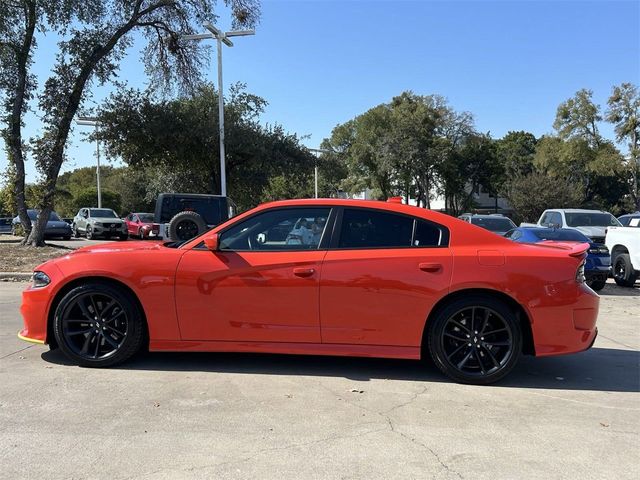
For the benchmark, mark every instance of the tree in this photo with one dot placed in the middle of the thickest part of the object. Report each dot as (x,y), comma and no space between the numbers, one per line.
(624,113)
(95,37)
(185,157)
(578,117)
(533,193)
(516,151)
(87,198)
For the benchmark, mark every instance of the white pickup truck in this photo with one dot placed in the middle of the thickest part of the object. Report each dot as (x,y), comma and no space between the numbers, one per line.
(624,245)
(593,223)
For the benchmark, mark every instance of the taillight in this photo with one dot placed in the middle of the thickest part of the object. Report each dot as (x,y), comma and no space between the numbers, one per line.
(580,278)
(599,250)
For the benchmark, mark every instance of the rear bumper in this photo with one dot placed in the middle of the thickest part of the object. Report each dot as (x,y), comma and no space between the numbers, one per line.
(567,322)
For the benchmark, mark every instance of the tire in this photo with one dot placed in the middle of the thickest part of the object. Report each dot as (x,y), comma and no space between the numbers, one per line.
(88,232)
(466,356)
(67,237)
(96,343)
(76,233)
(597,285)
(185,226)
(623,272)
(123,237)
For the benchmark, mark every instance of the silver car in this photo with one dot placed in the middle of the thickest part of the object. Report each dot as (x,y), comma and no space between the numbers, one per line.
(99,222)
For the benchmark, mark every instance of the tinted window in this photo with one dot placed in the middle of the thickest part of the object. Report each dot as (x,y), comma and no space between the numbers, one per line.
(279,230)
(146,217)
(211,209)
(427,235)
(365,228)
(591,220)
(102,213)
(551,234)
(494,224)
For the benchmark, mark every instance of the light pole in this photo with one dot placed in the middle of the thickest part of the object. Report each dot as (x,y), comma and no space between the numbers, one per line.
(220,37)
(317,152)
(93,122)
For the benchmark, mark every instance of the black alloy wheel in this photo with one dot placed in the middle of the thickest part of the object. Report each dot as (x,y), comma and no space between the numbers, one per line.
(476,340)
(623,272)
(186,229)
(98,325)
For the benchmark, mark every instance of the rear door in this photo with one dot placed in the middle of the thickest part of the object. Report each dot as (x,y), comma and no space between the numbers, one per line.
(381,277)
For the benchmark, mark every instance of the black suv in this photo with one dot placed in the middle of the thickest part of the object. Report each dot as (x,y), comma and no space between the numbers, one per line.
(182,216)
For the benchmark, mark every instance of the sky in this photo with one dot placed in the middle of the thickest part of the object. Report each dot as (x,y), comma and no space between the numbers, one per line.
(320,63)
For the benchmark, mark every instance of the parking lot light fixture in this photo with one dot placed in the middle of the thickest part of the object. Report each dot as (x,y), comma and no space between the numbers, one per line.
(317,152)
(220,37)
(93,122)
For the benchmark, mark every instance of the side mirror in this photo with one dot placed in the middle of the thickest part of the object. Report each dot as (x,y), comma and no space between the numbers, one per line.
(212,242)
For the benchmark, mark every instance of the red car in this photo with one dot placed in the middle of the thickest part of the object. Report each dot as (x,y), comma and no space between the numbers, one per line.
(321,277)
(140,225)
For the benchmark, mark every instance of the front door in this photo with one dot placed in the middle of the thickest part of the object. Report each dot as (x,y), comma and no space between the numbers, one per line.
(382,278)
(263,283)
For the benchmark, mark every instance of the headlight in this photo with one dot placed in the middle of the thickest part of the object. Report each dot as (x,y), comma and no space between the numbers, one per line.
(40,279)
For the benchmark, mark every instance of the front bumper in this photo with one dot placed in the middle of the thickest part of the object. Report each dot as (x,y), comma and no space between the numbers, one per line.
(107,230)
(35,305)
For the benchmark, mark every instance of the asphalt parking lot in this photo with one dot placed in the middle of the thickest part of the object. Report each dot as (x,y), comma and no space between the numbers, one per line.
(259,416)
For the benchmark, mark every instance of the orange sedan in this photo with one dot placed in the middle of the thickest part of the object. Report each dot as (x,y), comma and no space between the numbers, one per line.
(321,277)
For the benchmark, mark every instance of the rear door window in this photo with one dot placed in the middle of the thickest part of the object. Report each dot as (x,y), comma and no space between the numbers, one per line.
(365,228)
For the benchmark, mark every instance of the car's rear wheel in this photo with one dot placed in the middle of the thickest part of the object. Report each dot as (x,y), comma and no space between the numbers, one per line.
(475,340)
(623,272)
(98,325)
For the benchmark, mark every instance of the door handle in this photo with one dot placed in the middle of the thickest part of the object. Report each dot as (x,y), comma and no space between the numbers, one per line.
(303,272)
(430,267)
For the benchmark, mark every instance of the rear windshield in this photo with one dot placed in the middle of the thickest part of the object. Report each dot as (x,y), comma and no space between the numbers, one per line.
(146,217)
(591,220)
(496,224)
(551,234)
(102,213)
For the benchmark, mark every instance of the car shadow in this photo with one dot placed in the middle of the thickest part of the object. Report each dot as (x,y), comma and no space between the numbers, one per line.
(598,369)
(611,289)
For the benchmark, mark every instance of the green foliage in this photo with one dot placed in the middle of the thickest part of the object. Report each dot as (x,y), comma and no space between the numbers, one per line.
(531,194)
(578,117)
(89,198)
(516,151)
(185,157)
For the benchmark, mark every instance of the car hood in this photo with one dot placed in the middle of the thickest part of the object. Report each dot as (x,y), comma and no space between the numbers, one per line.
(106,220)
(592,231)
(57,224)
(120,247)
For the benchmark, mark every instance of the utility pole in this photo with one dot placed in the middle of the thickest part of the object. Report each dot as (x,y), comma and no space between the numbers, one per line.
(220,37)
(94,122)
(317,152)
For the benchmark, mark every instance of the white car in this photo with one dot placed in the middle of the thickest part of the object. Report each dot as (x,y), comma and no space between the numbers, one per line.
(624,245)
(99,222)
(593,223)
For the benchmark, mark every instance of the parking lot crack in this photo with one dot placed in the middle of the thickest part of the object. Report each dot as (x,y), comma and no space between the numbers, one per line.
(17,351)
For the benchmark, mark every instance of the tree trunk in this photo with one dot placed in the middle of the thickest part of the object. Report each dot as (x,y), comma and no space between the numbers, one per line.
(14,133)
(56,154)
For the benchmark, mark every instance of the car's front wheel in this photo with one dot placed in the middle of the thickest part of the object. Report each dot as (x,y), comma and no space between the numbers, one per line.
(89,232)
(98,325)
(475,340)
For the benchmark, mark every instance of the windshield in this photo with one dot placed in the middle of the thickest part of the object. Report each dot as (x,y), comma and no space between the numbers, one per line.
(146,217)
(591,220)
(494,224)
(102,213)
(53,216)
(551,234)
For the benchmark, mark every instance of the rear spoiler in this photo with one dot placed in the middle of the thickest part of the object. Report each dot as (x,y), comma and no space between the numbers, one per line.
(574,249)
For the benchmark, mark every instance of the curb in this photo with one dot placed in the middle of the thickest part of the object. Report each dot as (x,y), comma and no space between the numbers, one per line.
(15,276)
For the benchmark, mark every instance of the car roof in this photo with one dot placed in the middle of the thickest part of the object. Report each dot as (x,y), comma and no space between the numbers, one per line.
(574,210)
